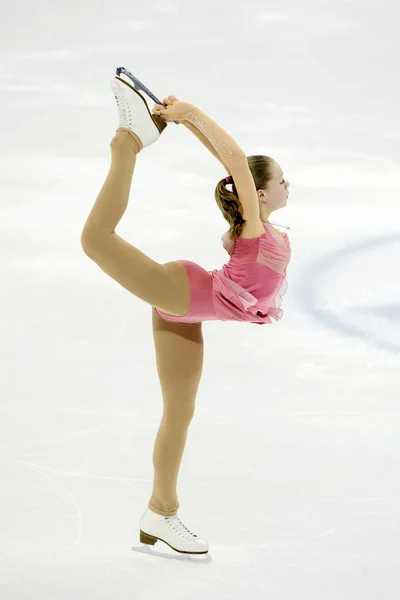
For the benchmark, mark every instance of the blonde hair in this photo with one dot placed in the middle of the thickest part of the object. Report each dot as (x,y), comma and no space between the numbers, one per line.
(229,203)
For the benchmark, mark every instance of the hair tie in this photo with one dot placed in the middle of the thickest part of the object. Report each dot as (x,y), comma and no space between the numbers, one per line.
(228,180)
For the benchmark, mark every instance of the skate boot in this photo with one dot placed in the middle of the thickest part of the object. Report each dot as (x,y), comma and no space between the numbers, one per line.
(171,531)
(138,85)
(134,112)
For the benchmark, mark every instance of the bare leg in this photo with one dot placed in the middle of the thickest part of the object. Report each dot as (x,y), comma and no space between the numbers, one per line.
(179,356)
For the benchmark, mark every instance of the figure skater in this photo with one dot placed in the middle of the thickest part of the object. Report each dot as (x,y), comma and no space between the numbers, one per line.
(183,295)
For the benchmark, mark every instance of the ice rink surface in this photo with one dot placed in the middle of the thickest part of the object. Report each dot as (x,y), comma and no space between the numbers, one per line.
(291,466)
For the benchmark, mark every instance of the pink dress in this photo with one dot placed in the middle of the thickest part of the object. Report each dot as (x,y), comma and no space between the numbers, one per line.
(248,288)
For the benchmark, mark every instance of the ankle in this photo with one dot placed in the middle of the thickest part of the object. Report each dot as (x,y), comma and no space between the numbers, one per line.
(135,141)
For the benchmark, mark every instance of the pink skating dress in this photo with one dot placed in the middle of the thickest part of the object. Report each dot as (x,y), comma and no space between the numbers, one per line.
(250,287)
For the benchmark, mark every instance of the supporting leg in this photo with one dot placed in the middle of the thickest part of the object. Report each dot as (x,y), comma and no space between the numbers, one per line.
(179,356)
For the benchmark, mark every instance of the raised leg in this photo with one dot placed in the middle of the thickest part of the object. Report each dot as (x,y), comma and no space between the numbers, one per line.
(179,356)
(112,201)
(165,286)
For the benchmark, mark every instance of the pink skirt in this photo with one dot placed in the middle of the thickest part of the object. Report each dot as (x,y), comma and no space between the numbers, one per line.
(214,297)
(201,296)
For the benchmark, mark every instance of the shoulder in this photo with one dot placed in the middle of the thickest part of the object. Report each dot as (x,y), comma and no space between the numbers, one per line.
(252,229)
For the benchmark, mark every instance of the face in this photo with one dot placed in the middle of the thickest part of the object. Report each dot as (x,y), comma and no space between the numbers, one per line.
(275,196)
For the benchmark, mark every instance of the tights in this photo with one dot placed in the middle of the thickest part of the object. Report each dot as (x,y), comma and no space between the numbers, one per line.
(179,346)
(179,351)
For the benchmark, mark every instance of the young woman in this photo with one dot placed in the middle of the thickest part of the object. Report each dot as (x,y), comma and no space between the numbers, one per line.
(183,295)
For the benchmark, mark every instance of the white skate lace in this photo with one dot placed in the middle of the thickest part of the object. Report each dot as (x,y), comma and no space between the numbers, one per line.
(179,527)
(123,109)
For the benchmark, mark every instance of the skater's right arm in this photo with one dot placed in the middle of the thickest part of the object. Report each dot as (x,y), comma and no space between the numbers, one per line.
(235,161)
(200,136)
(223,146)
(215,138)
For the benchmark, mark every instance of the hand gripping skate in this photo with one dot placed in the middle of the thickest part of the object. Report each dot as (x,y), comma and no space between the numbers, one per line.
(134,113)
(138,85)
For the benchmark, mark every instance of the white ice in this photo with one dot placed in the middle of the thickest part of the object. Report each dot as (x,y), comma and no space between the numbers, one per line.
(291,469)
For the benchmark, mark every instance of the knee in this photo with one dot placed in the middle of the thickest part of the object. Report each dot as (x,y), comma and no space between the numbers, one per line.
(179,417)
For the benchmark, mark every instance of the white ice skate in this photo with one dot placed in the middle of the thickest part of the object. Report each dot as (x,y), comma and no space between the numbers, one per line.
(134,112)
(171,531)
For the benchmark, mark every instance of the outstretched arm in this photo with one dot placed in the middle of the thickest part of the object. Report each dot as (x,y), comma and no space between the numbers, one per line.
(204,141)
(233,158)
(216,139)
